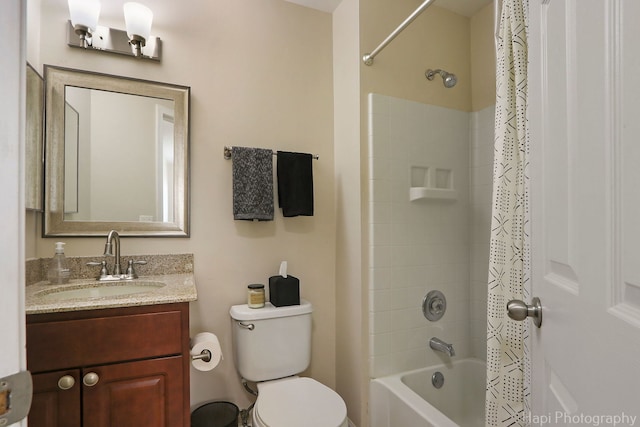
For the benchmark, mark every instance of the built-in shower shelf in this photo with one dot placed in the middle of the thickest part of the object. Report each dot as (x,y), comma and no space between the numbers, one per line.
(430,182)
(418,193)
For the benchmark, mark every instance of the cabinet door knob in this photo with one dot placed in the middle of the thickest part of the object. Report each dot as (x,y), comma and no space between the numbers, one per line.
(90,379)
(66,382)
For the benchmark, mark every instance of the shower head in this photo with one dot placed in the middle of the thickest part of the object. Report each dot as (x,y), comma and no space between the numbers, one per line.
(448,79)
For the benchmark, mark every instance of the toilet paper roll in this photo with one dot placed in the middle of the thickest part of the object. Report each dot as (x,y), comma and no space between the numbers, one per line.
(203,342)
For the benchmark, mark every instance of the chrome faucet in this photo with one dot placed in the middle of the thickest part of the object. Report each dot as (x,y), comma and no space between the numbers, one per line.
(438,345)
(115,237)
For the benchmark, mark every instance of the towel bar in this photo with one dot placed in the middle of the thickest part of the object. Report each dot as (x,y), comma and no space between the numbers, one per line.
(227,154)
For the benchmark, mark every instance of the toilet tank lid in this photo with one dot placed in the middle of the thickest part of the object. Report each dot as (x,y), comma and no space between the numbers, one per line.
(269,311)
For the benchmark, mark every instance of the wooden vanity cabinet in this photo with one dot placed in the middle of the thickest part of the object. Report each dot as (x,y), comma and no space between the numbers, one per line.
(118,367)
(51,405)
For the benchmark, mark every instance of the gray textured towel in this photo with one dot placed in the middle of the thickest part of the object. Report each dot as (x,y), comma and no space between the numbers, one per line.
(252,183)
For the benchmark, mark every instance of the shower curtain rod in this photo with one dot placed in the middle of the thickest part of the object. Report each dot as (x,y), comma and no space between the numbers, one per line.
(368,57)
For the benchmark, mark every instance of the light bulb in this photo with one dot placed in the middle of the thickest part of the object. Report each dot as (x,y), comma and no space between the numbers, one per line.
(138,19)
(84,13)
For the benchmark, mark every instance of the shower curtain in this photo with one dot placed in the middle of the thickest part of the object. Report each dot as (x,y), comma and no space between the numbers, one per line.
(507,353)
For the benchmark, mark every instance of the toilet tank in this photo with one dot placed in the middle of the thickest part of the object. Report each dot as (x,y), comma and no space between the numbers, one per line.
(271,342)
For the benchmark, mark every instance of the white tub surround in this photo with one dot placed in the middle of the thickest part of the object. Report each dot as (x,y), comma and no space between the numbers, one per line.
(421,245)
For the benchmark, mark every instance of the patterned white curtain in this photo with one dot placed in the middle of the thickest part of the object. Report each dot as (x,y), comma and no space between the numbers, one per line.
(507,353)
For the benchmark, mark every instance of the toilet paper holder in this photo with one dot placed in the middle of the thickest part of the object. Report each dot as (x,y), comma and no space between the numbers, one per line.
(205,351)
(204,355)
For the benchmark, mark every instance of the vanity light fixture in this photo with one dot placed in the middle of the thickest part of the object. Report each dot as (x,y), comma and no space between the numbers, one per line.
(84,32)
(84,19)
(137,18)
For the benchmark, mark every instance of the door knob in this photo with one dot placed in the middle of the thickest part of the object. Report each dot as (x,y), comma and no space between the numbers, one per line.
(90,379)
(66,382)
(519,310)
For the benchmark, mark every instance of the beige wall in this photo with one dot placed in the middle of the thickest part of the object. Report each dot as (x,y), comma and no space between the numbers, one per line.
(436,39)
(261,75)
(351,307)
(134,120)
(483,59)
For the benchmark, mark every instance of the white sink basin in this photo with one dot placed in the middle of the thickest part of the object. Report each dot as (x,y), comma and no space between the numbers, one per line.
(99,290)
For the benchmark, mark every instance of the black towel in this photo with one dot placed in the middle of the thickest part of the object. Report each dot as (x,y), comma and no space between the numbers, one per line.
(252,183)
(295,184)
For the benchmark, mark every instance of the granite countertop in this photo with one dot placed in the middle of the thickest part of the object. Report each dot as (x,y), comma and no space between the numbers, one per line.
(41,298)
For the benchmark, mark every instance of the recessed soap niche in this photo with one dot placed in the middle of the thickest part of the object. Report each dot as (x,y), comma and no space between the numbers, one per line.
(430,182)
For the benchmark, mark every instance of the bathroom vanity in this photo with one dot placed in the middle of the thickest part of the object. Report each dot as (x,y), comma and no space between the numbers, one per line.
(112,367)
(110,361)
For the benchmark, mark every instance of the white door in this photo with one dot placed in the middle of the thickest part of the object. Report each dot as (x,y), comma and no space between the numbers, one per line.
(12,78)
(585,139)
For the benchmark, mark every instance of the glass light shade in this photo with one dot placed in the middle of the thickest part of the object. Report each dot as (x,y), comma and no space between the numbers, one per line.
(137,18)
(84,12)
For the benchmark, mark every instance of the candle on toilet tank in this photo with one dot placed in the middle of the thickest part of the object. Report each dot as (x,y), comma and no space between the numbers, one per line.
(255,297)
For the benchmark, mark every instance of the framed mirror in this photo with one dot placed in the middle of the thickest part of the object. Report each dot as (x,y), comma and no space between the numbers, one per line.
(34,140)
(116,155)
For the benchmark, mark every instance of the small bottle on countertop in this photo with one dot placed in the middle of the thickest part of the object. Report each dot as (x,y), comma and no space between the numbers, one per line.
(255,298)
(58,272)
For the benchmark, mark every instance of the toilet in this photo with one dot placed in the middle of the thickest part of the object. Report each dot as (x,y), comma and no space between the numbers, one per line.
(271,346)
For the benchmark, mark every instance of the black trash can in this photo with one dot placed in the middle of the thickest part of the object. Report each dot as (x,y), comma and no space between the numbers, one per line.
(215,414)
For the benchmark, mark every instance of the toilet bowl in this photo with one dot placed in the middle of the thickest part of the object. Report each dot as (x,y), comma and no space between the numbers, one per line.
(295,402)
(272,346)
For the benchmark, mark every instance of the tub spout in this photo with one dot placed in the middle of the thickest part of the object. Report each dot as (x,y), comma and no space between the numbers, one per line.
(438,345)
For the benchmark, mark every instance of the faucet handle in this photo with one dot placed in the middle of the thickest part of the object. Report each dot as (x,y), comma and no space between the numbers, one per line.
(131,272)
(104,271)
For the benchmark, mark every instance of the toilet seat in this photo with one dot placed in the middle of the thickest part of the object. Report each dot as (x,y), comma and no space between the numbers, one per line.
(298,402)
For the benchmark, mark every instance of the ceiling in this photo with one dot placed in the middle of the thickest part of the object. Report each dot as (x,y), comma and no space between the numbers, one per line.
(323,5)
(461,7)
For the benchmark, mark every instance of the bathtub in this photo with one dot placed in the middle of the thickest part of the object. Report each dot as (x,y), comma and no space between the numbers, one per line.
(410,399)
